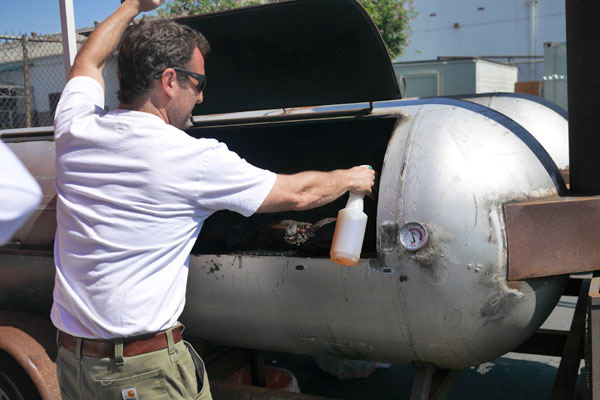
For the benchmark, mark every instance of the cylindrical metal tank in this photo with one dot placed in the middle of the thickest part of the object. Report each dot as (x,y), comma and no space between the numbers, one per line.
(546,121)
(450,166)
(446,164)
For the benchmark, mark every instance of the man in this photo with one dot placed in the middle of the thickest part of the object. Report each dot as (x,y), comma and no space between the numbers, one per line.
(133,192)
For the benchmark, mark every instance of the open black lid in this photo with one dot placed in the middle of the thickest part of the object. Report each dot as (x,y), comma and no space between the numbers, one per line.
(292,54)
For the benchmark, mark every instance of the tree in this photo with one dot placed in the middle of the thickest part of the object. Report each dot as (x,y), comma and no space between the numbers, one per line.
(174,8)
(392,17)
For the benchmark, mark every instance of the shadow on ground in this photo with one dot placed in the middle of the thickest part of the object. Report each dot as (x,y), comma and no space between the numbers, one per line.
(504,378)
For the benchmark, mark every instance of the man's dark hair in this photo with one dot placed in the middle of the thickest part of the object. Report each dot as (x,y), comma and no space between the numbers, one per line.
(150,47)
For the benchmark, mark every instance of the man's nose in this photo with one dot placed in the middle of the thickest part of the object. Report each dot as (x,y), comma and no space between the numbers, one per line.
(200,98)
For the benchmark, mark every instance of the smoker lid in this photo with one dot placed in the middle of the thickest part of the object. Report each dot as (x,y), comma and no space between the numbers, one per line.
(292,54)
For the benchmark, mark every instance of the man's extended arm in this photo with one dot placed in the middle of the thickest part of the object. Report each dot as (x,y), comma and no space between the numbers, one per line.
(311,189)
(98,48)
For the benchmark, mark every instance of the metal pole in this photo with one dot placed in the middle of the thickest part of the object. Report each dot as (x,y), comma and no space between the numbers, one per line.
(257,368)
(583,58)
(26,85)
(592,345)
(67,22)
(532,37)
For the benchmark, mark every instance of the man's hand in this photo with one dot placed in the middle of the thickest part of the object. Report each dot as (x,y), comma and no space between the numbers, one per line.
(362,180)
(148,5)
(101,44)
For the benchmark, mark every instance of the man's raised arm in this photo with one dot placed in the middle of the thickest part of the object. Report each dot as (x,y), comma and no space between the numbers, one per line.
(98,48)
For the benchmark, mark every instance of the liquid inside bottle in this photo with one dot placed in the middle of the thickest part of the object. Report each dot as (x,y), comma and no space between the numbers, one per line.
(349,232)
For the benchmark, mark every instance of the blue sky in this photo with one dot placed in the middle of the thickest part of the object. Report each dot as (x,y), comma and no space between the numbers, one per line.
(43,16)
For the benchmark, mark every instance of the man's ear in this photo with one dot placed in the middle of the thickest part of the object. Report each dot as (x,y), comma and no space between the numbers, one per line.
(168,82)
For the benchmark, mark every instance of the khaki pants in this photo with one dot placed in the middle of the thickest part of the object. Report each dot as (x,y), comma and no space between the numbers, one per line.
(164,374)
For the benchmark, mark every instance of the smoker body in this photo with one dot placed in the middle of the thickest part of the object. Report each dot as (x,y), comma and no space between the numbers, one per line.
(450,166)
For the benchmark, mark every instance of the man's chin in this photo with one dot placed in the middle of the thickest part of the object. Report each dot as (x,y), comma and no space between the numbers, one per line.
(185,124)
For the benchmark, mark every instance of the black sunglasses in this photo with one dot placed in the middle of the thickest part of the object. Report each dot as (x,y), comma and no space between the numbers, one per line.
(199,77)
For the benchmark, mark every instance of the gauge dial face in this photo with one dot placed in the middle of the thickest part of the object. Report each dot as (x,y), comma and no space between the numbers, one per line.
(413,236)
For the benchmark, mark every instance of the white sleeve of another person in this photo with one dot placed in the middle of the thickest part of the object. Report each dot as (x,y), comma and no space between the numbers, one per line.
(19,193)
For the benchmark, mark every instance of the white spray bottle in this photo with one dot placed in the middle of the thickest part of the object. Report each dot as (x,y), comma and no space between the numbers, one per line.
(349,232)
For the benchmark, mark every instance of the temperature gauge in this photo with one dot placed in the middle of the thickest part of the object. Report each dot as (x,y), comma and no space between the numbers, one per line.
(413,236)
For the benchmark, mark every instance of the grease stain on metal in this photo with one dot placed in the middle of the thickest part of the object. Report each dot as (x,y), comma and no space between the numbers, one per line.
(376,263)
(215,268)
(388,235)
(428,259)
(490,224)
(337,343)
(500,304)
(476,212)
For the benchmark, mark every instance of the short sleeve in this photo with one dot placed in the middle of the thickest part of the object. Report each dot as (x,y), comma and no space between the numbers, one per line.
(231,183)
(81,96)
(19,193)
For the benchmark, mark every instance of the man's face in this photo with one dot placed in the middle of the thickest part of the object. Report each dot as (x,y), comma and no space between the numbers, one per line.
(187,94)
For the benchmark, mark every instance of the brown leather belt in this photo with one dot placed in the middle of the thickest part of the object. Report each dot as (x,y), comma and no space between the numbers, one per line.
(131,347)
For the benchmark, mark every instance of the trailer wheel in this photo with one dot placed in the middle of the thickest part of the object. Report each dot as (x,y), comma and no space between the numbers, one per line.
(14,382)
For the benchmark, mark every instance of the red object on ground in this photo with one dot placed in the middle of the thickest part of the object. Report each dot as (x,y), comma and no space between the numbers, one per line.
(275,378)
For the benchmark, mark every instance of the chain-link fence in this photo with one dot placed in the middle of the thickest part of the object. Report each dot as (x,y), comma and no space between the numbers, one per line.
(32,76)
(554,88)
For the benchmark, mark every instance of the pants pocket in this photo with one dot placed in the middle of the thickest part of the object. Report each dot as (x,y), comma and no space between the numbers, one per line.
(201,376)
(148,385)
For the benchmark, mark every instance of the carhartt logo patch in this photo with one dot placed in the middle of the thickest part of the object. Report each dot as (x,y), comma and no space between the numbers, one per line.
(129,394)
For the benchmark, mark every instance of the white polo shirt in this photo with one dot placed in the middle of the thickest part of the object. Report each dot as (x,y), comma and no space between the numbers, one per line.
(133,193)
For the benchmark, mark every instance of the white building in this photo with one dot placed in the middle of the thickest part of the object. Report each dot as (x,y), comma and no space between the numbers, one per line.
(512,31)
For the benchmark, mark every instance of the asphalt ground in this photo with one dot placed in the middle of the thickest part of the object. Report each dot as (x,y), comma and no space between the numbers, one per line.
(512,376)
